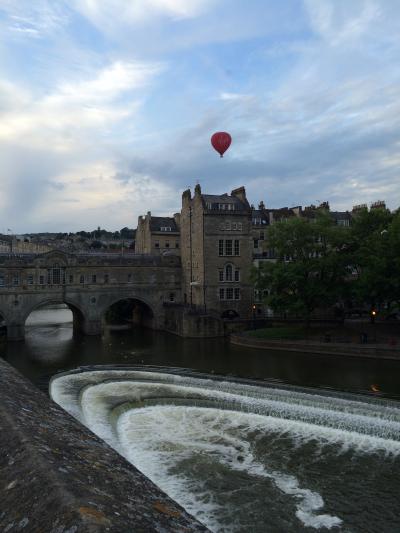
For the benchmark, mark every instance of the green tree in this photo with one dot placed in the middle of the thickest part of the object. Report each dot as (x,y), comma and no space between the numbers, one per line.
(375,257)
(310,268)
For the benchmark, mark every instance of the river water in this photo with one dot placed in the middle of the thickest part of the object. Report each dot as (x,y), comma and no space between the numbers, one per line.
(309,447)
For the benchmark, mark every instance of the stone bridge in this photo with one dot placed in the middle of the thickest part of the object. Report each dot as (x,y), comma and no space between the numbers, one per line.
(89,284)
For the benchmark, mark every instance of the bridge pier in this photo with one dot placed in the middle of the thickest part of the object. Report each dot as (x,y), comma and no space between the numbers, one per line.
(92,326)
(15,332)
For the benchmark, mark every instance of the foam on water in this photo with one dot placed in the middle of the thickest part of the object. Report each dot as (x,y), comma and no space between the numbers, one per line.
(165,423)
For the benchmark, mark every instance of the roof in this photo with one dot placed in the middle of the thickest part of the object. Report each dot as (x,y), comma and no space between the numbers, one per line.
(156,223)
(215,199)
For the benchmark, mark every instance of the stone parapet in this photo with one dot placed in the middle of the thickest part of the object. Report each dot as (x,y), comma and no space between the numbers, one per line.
(58,477)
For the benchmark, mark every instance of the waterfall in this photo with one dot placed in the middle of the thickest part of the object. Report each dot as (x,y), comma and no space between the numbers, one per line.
(241,455)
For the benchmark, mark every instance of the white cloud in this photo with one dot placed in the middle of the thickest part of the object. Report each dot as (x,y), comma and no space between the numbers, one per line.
(92,194)
(110,14)
(59,120)
(33,18)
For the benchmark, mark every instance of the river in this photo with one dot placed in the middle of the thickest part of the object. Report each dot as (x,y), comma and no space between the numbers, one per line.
(309,447)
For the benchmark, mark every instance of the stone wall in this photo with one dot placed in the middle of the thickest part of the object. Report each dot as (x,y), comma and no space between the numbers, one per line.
(58,477)
(188,323)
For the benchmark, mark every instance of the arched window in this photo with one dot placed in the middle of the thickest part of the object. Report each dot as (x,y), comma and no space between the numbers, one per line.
(228,273)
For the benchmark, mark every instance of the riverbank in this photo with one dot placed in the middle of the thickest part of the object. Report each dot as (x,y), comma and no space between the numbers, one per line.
(375,351)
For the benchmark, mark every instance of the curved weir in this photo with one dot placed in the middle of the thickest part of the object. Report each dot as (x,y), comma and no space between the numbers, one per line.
(242,456)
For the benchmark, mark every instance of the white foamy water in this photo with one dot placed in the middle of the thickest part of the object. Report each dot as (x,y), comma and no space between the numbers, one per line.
(234,455)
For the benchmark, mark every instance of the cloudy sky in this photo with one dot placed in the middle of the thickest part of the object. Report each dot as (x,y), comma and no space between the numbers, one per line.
(107,106)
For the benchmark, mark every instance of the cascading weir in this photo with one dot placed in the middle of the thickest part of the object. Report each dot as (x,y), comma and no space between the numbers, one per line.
(242,456)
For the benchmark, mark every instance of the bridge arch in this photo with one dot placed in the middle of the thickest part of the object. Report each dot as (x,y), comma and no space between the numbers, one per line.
(3,322)
(78,313)
(135,309)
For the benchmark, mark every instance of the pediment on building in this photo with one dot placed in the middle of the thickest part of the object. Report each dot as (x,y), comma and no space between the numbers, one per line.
(54,257)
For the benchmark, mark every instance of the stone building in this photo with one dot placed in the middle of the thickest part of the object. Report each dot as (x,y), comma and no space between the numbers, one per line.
(157,235)
(216,252)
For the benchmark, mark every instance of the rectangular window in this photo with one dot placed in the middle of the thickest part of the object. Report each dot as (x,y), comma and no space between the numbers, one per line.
(221,275)
(15,279)
(71,278)
(261,235)
(167,245)
(237,275)
(237,247)
(221,247)
(30,279)
(228,247)
(221,294)
(2,283)
(94,278)
(237,293)
(129,278)
(227,226)
(82,279)
(255,243)
(48,277)
(240,226)
(156,244)
(177,244)
(229,293)
(41,280)
(172,297)
(106,278)
(234,226)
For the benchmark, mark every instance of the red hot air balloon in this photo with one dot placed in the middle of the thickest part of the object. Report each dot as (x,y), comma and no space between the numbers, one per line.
(221,141)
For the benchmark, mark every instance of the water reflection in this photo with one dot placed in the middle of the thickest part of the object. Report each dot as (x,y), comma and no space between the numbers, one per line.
(51,348)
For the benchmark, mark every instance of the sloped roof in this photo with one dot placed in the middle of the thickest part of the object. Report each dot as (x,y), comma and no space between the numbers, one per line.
(215,199)
(156,223)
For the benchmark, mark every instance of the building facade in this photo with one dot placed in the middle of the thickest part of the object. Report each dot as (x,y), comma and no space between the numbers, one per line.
(158,235)
(216,252)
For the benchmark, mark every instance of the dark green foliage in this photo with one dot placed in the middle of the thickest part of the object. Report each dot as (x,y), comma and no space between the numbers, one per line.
(375,255)
(319,264)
